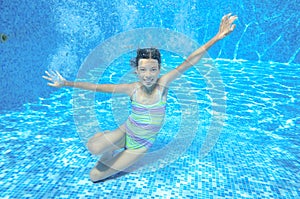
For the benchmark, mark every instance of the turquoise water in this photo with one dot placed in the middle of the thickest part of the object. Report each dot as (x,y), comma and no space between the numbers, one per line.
(256,155)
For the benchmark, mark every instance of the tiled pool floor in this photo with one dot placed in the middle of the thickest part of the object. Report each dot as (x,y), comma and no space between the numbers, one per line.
(256,156)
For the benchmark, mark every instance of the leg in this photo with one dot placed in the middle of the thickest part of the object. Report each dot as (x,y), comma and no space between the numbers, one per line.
(105,142)
(118,163)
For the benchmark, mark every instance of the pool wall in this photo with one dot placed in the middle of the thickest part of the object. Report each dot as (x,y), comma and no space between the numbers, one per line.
(43,35)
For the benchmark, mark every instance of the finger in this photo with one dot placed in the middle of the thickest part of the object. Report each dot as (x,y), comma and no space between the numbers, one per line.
(53,73)
(47,78)
(232,19)
(232,27)
(48,73)
(52,85)
(227,16)
(224,18)
(59,75)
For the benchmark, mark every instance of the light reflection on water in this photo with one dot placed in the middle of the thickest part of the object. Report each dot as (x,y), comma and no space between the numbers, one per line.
(262,118)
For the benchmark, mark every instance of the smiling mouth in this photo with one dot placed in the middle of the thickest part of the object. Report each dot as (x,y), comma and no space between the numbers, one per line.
(148,82)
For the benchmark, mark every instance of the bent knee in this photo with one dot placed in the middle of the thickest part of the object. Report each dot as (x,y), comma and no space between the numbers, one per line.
(93,149)
(92,144)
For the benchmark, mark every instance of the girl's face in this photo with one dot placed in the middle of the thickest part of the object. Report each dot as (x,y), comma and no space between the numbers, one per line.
(148,72)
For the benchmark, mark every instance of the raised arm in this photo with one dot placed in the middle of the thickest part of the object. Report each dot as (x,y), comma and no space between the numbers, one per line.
(226,27)
(58,81)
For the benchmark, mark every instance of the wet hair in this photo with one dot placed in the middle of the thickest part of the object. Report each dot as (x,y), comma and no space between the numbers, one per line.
(145,53)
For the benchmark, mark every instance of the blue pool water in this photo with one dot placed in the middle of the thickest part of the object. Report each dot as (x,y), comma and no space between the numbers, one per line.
(254,154)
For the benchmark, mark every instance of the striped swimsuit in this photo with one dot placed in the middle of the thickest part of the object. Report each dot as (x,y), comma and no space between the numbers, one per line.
(143,124)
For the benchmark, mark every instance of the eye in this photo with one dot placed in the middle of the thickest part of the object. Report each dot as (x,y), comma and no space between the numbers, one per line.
(154,69)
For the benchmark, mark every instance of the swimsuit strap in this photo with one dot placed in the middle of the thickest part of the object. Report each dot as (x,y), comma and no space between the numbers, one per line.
(160,93)
(133,98)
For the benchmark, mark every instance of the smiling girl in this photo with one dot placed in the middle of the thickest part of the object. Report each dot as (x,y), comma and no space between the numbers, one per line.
(148,102)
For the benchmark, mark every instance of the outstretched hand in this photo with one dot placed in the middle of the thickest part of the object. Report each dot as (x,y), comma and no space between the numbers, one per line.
(226,26)
(57,80)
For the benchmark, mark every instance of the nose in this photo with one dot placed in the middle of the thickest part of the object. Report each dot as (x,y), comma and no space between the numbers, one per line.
(148,73)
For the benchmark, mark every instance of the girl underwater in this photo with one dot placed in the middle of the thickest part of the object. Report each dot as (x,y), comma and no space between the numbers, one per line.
(148,102)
